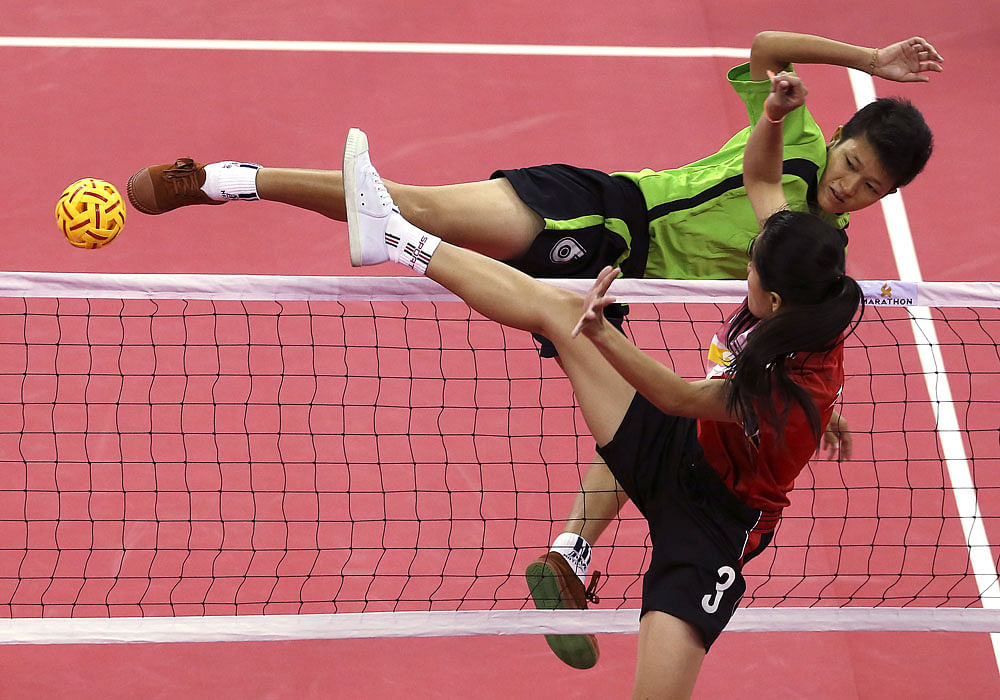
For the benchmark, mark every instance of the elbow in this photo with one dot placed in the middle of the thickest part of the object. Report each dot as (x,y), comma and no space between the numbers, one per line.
(762,42)
(768,52)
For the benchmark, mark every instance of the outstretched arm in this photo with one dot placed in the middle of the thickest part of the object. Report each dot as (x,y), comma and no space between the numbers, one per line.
(663,388)
(905,61)
(763,153)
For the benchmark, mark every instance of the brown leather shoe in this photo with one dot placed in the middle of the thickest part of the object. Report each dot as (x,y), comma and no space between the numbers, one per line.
(555,586)
(162,188)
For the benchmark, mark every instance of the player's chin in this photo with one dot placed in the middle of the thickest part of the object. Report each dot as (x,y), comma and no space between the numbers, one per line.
(828,202)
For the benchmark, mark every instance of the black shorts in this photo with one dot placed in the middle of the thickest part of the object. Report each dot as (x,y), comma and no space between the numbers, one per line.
(697,526)
(592,220)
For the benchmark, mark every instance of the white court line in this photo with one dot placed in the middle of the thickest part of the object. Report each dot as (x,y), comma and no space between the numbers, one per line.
(371,47)
(947,425)
(272,628)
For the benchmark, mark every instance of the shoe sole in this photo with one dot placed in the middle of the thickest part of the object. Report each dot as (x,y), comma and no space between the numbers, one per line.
(356,144)
(576,650)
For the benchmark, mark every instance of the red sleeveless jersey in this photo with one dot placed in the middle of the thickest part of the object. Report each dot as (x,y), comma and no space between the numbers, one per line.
(761,468)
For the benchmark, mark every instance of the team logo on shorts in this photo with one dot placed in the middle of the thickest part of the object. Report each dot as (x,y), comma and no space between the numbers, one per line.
(565,250)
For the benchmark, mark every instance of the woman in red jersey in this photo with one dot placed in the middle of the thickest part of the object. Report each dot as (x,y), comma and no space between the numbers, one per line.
(708,463)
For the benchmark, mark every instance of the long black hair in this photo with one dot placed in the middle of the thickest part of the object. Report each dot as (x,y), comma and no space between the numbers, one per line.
(801,258)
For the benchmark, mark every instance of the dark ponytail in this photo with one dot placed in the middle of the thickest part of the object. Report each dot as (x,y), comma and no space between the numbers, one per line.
(800,258)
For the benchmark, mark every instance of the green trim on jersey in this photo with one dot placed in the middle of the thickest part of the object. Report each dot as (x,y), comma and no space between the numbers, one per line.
(701,222)
(616,226)
(586,221)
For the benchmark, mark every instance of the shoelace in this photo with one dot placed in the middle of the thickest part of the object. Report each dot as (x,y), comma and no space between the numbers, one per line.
(183,177)
(591,593)
(383,193)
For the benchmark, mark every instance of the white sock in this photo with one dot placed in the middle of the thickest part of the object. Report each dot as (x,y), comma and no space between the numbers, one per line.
(231,180)
(409,245)
(575,550)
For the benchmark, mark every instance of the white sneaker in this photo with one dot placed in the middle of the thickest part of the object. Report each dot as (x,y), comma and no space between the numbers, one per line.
(368,203)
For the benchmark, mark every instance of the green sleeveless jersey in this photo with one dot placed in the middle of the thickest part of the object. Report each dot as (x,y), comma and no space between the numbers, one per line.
(700,220)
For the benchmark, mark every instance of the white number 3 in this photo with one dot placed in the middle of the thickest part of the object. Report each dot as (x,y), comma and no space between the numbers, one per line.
(727,576)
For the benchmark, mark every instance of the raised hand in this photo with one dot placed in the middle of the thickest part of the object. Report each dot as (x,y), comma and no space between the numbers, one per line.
(594,303)
(907,61)
(788,92)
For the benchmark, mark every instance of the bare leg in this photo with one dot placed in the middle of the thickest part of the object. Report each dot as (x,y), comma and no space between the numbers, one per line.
(514,299)
(321,191)
(517,300)
(486,216)
(670,656)
(598,502)
(670,650)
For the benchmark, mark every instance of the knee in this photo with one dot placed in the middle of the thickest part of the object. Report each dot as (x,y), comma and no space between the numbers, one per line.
(485,216)
(433,209)
(559,310)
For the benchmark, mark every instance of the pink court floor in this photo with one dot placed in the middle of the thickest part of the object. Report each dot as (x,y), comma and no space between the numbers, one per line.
(433,118)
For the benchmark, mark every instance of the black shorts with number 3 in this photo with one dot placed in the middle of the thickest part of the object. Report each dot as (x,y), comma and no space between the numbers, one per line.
(697,526)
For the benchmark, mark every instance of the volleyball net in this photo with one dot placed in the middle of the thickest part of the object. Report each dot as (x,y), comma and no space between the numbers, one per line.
(254,457)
